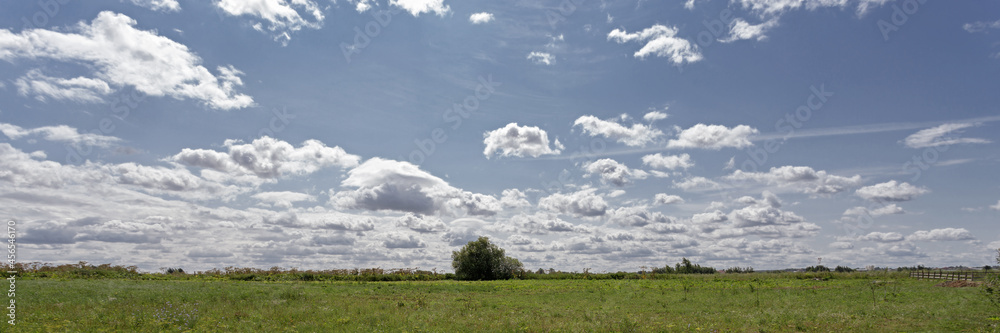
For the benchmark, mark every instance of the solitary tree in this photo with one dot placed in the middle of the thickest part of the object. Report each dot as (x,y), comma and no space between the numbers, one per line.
(482,260)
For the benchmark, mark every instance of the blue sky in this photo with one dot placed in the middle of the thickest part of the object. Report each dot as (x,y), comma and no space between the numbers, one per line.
(575,134)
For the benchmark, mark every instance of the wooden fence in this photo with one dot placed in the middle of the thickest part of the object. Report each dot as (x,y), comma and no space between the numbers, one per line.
(951,276)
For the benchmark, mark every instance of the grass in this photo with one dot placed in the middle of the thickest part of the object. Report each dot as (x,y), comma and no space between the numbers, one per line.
(711,303)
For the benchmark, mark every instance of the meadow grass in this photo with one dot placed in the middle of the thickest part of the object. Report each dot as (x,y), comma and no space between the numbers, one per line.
(690,303)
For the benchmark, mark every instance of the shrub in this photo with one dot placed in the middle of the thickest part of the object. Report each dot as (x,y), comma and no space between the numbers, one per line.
(819,268)
(991,285)
(482,260)
(738,270)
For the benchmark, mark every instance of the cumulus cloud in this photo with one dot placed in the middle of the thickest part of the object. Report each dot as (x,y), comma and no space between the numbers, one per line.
(996,207)
(670,162)
(891,191)
(122,55)
(282,199)
(636,216)
(636,135)
(267,157)
(383,184)
(400,241)
(696,183)
(882,237)
(583,203)
(159,5)
(689,4)
(903,249)
(59,133)
(654,116)
(881,211)
(842,245)
(936,136)
(713,137)
(176,182)
(480,18)
(519,141)
(764,211)
(945,234)
(421,224)
(739,29)
(667,228)
(342,222)
(282,16)
(666,199)
(542,223)
(762,217)
(417,7)
(514,198)
(79,89)
(541,58)
(804,178)
(660,41)
(612,172)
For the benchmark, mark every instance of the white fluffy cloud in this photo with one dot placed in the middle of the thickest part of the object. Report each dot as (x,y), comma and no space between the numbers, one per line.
(654,116)
(713,137)
(281,16)
(78,89)
(636,135)
(580,203)
(362,5)
(159,5)
(267,157)
(417,7)
(903,249)
(666,199)
(882,237)
(541,58)
(935,136)
(519,141)
(741,30)
(636,216)
(996,207)
(59,133)
(670,162)
(842,245)
(945,234)
(661,41)
(122,55)
(696,183)
(762,217)
(542,223)
(480,18)
(891,191)
(383,184)
(282,199)
(763,212)
(513,198)
(801,177)
(613,172)
(401,241)
(881,211)
(421,224)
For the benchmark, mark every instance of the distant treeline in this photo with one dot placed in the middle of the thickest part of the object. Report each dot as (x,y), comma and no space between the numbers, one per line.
(83,270)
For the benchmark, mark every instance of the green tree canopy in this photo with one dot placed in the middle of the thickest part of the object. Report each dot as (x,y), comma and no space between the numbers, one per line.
(482,260)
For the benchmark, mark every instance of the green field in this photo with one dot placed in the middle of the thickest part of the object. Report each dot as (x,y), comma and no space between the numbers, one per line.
(715,303)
